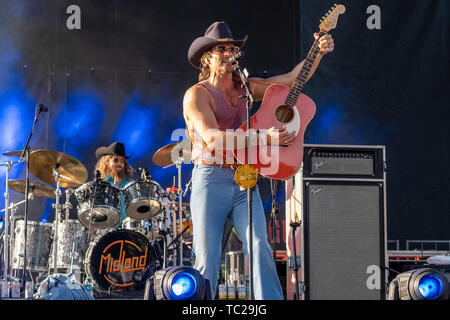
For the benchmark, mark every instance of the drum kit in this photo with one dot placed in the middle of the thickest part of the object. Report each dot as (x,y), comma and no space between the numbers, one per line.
(118,253)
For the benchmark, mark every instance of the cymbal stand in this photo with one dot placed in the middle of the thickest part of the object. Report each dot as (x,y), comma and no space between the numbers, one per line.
(162,230)
(6,232)
(172,197)
(67,206)
(178,163)
(57,207)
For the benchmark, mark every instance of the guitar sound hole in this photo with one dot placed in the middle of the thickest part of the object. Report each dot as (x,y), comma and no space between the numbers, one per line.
(284,113)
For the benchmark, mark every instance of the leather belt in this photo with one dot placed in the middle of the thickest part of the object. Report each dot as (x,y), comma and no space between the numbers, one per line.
(232,166)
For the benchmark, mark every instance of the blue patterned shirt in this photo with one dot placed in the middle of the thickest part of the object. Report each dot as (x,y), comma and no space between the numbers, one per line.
(123,212)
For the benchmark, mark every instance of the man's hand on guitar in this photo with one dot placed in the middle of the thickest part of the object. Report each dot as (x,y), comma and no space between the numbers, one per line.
(326,43)
(280,137)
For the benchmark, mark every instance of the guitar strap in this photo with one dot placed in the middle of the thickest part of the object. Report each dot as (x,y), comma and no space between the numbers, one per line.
(238,80)
(256,81)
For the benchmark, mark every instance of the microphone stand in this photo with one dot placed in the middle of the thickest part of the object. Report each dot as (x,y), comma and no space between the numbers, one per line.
(273,216)
(26,156)
(243,74)
(294,225)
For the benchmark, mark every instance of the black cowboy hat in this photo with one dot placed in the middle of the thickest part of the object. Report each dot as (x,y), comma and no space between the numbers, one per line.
(115,148)
(217,33)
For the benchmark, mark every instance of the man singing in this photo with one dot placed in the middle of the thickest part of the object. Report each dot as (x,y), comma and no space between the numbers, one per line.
(211,108)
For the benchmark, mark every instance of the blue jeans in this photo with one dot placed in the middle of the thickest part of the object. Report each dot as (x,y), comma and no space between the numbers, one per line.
(214,198)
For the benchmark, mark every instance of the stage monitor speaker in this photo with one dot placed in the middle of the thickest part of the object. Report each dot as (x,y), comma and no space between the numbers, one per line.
(344,233)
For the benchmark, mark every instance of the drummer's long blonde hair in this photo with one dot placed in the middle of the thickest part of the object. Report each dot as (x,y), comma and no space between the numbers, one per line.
(102,166)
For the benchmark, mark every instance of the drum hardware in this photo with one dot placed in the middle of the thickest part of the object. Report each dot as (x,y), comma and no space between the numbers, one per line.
(176,154)
(121,260)
(38,245)
(35,188)
(43,162)
(171,154)
(172,192)
(9,236)
(164,231)
(15,153)
(6,231)
(58,211)
(94,216)
(98,204)
(142,199)
(177,241)
(25,156)
(73,240)
(13,206)
(55,168)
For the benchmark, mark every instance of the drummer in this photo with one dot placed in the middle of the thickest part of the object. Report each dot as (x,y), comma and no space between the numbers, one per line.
(114,168)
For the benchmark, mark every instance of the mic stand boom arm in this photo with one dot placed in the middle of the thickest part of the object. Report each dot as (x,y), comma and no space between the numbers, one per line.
(25,156)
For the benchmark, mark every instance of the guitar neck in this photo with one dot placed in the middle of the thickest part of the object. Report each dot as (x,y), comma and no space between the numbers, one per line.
(302,76)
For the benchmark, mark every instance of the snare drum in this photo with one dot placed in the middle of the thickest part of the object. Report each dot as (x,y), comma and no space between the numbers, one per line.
(132,224)
(38,245)
(121,259)
(99,204)
(142,199)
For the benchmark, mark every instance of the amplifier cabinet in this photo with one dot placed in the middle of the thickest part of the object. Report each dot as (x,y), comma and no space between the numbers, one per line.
(339,197)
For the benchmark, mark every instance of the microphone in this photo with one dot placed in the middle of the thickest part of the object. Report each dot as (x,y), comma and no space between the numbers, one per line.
(41,108)
(234,59)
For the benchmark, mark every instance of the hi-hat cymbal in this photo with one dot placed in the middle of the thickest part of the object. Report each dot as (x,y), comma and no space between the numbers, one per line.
(177,152)
(152,235)
(35,188)
(72,172)
(168,204)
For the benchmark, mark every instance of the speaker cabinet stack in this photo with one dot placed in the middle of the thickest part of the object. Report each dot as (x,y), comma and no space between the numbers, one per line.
(339,198)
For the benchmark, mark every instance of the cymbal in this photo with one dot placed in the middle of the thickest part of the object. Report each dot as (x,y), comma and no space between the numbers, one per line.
(72,172)
(35,188)
(172,153)
(15,153)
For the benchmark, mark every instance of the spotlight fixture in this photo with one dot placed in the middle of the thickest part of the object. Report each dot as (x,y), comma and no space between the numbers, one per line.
(419,284)
(177,283)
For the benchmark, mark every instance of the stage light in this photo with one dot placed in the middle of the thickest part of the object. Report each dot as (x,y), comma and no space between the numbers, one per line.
(419,284)
(177,283)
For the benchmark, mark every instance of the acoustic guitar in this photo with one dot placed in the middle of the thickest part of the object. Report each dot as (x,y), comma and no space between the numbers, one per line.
(286,106)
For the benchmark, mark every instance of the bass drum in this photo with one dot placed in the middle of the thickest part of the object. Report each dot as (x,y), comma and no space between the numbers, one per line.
(121,260)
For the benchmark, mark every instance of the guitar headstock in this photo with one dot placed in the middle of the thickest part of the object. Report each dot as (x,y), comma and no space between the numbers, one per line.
(329,21)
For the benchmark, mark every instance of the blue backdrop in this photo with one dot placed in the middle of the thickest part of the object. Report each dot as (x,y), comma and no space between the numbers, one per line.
(122,76)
